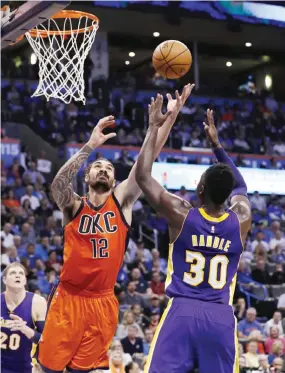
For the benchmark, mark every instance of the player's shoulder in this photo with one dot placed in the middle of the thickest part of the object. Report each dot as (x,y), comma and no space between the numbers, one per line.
(39,301)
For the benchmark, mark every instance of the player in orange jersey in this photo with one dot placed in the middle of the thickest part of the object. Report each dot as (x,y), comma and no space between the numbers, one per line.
(83,314)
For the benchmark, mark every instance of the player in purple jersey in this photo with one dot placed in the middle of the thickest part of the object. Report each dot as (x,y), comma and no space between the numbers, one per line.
(22,320)
(198,327)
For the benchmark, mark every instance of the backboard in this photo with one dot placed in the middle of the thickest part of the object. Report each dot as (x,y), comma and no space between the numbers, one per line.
(25,17)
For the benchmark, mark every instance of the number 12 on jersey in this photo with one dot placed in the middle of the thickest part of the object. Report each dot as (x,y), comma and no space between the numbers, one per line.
(100,248)
(196,274)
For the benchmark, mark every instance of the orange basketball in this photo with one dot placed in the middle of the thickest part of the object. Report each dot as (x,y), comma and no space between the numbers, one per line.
(172,59)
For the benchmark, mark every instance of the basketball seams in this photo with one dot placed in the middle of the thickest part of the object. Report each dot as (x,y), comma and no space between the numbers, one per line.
(168,52)
(169,67)
(167,62)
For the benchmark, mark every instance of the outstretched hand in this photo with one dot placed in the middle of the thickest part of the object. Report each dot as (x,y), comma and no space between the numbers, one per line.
(210,129)
(176,104)
(156,118)
(97,137)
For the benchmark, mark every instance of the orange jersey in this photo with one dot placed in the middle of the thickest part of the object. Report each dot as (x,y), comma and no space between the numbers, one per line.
(94,247)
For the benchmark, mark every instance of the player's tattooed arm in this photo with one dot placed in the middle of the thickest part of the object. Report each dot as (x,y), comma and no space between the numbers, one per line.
(173,208)
(62,190)
(61,187)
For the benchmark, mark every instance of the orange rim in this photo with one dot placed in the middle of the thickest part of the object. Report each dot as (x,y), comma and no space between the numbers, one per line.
(74,14)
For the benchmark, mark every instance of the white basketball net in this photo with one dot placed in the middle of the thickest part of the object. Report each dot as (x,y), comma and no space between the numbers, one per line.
(61,58)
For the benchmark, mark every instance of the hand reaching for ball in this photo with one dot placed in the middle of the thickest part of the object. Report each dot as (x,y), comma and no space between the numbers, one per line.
(176,105)
(156,118)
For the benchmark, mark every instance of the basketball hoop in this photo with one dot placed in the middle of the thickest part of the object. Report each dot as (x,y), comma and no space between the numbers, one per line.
(62,52)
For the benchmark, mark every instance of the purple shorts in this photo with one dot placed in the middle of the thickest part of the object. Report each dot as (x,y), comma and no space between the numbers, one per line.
(194,334)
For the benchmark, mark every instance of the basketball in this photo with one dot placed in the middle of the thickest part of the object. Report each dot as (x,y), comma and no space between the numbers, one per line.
(172,59)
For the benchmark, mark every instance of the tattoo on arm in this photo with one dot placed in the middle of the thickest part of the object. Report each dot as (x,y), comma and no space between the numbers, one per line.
(62,190)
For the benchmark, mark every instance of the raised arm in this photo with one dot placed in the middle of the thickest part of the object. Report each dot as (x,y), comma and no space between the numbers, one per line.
(171,207)
(239,199)
(61,187)
(129,191)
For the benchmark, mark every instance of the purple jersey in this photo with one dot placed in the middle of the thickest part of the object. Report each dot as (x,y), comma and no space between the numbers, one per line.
(203,260)
(16,348)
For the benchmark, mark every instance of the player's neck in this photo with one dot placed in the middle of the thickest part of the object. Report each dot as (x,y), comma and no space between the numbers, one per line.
(98,197)
(213,210)
(14,297)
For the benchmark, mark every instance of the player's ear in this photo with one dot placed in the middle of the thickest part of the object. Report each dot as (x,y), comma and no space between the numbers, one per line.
(4,280)
(114,183)
(86,178)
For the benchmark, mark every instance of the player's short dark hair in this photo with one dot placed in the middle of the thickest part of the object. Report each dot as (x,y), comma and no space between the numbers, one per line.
(219,183)
(12,265)
(96,160)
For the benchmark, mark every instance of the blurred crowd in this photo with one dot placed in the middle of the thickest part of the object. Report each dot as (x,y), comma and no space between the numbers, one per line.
(31,233)
(257,128)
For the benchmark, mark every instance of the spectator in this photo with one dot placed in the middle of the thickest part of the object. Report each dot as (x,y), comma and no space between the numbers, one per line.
(10,201)
(259,241)
(31,255)
(278,240)
(251,356)
(128,320)
(278,256)
(34,175)
(27,209)
(132,344)
(53,261)
(132,297)
(182,193)
(156,285)
(278,364)
(117,346)
(34,201)
(132,368)
(154,321)
(256,336)
(10,256)
(147,342)
(27,234)
(136,277)
(240,309)
(273,337)
(275,321)
(154,307)
(263,363)
(140,318)
(258,202)
(277,351)
(278,277)
(260,274)
(116,362)
(248,324)
(6,234)
(162,262)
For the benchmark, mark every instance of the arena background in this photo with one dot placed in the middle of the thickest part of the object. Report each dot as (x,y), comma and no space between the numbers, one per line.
(238,68)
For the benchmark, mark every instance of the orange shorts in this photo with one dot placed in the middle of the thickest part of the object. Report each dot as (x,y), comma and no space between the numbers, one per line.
(78,331)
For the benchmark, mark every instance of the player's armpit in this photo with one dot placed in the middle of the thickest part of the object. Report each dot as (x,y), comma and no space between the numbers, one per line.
(241,206)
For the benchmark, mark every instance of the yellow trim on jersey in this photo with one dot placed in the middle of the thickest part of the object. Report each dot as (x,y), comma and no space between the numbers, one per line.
(170,269)
(232,289)
(211,218)
(156,334)
(236,362)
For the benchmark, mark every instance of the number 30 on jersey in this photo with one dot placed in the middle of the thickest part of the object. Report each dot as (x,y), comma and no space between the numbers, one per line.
(196,274)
